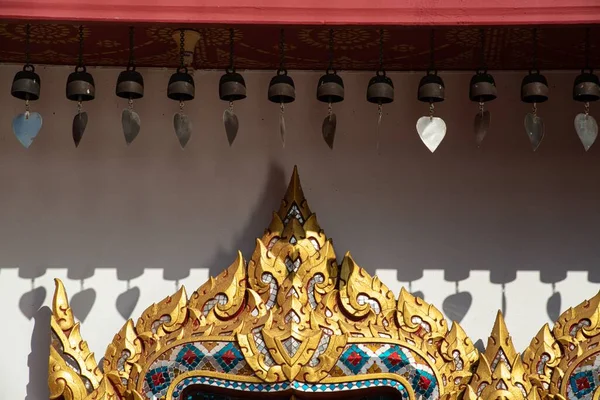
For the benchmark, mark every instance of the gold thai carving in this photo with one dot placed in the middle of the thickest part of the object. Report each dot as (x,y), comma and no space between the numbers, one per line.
(291,312)
(72,371)
(500,373)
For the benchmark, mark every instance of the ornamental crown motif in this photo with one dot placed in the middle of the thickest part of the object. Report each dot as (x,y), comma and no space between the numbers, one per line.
(292,321)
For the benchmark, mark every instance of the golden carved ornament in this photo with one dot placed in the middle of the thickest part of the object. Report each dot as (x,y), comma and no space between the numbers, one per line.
(292,314)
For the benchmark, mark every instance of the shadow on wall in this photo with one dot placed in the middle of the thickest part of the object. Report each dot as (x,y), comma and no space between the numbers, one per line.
(37,387)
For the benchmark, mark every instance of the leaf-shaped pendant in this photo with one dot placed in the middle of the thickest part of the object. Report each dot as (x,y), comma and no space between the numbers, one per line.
(79,123)
(534,126)
(282,128)
(328,129)
(230,120)
(131,125)
(432,131)
(587,129)
(183,128)
(481,126)
(26,127)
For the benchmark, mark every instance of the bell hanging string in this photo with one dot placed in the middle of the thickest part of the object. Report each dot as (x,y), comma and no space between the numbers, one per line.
(431,129)
(534,90)
(232,87)
(130,86)
(330,89)
(281,88)
(482,89)
(586,90)
(26,86)
(380,90)
(80,88)
(181,88)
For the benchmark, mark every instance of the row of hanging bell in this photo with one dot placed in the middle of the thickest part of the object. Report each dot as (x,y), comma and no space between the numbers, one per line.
(282,91)
(586,89)
(130,86)
(26,86)
(431,129)
(482,89)
(232,87)
(330,90)
(80,88)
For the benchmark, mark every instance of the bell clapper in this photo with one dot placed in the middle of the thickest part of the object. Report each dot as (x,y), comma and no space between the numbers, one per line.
(378,131)
(282,123)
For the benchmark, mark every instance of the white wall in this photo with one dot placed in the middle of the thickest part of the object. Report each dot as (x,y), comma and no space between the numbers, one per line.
(105,218)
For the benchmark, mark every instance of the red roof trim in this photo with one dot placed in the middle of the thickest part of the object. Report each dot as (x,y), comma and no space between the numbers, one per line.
(310,12)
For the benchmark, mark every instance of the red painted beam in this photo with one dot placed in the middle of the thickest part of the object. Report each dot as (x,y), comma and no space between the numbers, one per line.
(310,12)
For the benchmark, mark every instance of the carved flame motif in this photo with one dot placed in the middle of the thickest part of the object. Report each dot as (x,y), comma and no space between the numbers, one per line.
(292,319)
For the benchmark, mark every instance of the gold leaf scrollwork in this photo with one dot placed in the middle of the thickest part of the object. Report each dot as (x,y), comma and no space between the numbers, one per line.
(222,298)
(72,371)
(361,294)
(458,357)
(160,319)
(541,357)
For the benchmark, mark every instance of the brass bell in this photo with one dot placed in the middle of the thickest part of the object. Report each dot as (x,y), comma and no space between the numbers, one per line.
(586,87)
(130,84)
(482,88)
(232,86)
(380,89)
(26,84)
(80,85)
(534,88)
(281,88)
(181,86)
(431,88)
(330,88)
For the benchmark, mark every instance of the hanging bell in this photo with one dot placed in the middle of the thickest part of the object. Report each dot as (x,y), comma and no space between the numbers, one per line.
(181,86)
(534,88)
(281,88)
(380,89)
(431,88)
(232,86)
(80,85)
(330,88)
(586,87)
(130,84)
(26,84)
(482,88)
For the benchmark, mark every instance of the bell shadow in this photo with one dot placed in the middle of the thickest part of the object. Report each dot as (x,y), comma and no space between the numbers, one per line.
(37,361)
(244,241)
(31,301)
(127,301)
(82,303)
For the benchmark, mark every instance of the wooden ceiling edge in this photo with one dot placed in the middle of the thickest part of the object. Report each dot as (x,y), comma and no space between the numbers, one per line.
(311,12)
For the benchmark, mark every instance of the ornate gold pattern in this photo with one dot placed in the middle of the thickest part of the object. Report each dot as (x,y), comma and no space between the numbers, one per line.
(293,314)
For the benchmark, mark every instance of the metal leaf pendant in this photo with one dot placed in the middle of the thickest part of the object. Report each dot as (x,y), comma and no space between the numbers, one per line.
(26,127)
(328,129)
(587,130)
(79,123)
(230,120)
(131,125)
(481,126)
(432,131)
(183,128)
(534,126)
(282,129)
